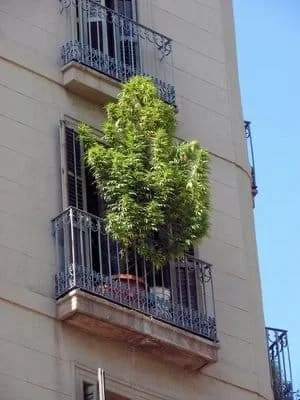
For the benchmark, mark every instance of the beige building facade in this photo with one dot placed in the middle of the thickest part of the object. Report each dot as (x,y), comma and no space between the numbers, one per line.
(57,342)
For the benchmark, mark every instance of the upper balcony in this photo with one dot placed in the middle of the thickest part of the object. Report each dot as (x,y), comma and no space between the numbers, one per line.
(169,313)
(106,46)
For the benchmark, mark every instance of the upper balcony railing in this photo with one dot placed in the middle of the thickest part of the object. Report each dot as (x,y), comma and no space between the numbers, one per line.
(117,46)
(280,365)
(181,294)
(248,135)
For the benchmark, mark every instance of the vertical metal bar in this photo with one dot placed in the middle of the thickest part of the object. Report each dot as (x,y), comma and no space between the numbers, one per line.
(289,359)
(141,53)
(91,265)
(72,245)
(58,256)
(109,263)
(119,273)
(89,31)
(213,301)
(188,290)
(127,275)
(104,13)
(249,136)
(180,292)
(73,22)
(278,360)
(146,284)
(81,37)
(66,242)
(164,302)
(132,50)
(56,225)
(123,46)
(100,255)
(199,299)
(116,34)
(172,72)
(81,227)
(154,287)
(137,278)
(98,21)
(162,281)
(174,292)
(203,267)
(283,359)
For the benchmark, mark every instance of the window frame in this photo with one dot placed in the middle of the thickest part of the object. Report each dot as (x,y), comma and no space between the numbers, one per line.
(84,375)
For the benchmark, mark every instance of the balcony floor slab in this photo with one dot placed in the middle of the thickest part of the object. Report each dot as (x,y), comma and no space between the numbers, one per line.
(90,84)
(102,317)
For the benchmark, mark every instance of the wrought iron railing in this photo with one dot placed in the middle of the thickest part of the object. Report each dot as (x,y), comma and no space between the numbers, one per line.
(248,135)
(180,294)
(280,365)
(117,46)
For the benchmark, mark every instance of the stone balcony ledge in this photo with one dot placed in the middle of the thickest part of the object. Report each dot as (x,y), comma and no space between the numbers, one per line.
(102,317)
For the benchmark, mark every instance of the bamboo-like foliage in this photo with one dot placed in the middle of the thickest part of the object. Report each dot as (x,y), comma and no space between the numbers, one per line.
(156,188)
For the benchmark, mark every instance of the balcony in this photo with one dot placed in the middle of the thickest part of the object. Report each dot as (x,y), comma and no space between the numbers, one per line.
(105,48)
(169,313)
(280,365)
(248,136)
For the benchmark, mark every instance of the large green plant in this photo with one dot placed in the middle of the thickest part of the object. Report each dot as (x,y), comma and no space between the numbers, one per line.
(155,187)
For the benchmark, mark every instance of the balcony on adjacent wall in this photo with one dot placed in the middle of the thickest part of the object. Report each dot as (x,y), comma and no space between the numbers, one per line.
(104,48)
(280,365)
(248,136)
(169,313)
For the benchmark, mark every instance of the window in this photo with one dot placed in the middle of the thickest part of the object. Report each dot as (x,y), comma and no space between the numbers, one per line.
(110,36)
(89,386)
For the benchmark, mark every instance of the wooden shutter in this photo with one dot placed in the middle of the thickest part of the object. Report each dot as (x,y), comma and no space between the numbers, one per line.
(75,170)
(72,168)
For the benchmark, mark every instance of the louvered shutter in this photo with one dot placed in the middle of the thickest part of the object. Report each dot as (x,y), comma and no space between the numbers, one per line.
(74,170)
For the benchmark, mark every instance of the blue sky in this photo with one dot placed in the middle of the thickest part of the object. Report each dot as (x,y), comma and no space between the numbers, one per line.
(268,39)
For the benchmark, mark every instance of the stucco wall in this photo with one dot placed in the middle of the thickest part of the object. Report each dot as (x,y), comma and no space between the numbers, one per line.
(36,351)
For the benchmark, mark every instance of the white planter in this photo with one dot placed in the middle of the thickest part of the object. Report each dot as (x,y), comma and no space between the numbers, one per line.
(161,301)
(162,294)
